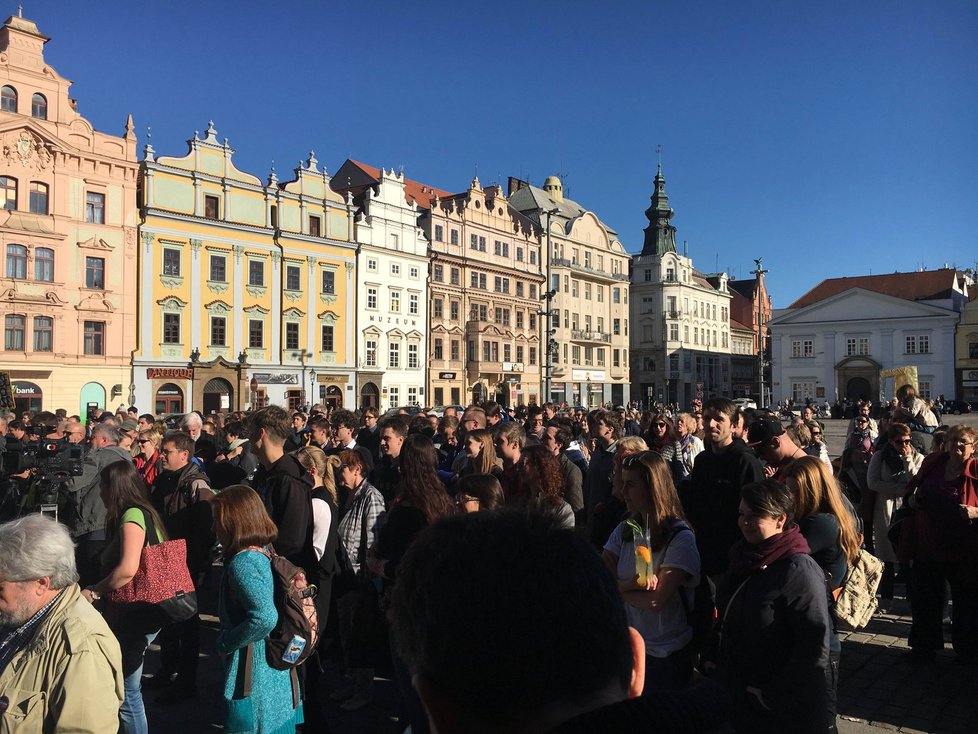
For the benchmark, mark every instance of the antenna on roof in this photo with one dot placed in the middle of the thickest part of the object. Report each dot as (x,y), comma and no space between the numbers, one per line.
(685,249)
(658,153)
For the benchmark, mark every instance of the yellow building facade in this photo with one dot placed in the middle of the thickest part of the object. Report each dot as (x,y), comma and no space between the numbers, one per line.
(246,288)
(68,236)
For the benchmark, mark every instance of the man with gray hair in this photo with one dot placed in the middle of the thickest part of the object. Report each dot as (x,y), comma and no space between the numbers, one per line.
(85,512)
(193,425)
(60,665)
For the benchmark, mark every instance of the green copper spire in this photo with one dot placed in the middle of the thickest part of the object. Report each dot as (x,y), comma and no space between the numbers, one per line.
(660,235)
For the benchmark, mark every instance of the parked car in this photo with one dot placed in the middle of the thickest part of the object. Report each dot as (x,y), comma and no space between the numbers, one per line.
(439,410)
(744,403)
(956,407)
(411,410)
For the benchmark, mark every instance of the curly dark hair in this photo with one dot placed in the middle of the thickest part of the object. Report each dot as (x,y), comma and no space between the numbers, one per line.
(541,475)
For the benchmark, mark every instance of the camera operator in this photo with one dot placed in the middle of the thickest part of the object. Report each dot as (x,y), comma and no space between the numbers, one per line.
(85,511)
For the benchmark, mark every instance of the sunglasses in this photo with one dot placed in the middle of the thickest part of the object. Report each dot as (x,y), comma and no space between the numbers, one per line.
(816,433)
(660,425)
(143,440)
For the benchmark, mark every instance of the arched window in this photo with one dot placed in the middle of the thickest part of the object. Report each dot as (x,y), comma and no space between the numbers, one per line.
(8,192)
(44,264)
(39,106)
(8,99)
(16,261)
(39,198)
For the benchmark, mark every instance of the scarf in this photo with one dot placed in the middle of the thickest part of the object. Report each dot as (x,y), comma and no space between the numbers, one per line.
(746,559)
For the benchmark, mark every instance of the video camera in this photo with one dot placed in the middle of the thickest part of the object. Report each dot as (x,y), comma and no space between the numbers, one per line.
(53,462)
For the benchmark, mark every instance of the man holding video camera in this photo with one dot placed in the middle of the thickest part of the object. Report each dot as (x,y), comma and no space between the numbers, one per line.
(85,511)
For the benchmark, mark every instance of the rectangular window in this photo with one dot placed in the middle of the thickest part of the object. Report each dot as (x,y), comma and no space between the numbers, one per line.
(482,244)
(372,298)
(507,353)
(291,335)
(329,282)
(395,301)
(394,393)
(533,355)
(519,354)
(574,288)
(486,351)
(533,321)
(808,348)
(519,289)
(43,334)
(256,333)
(413,356)
(454,237)
(291,277)
(413,303)
(673,332)
(413,273)
(95,272)
(439,349)
(555,318)
(315,226)
(437,273)
(616,326)
(455,349)
(615,358)
(850,346)
(802,391)
(456,276)
(39,198)
(394,355)
(171,328)
(519,254)
(256,273)
(171,262)
(211,207)
(94,337)
(474,242)
(219,269)
(533,257)
(44,264)
(13,334)
(795,348)
(372,265)
(923,344)
(395,268)
(519,319)
(326,338)
(436,308)
(94,208)
(454,310)
(412,395)
(475,279)
(371,353)
(219,331)
(439,233)
(533,291)
(864,345)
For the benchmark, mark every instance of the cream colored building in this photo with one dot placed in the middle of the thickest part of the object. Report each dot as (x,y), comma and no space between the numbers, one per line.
(68,234)
(246,288)
(588,270)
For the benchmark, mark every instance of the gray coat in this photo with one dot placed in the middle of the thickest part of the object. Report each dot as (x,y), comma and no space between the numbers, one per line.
(85,512)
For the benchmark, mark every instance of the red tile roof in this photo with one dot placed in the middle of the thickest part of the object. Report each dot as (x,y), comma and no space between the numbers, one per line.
(916,286)
(414,191)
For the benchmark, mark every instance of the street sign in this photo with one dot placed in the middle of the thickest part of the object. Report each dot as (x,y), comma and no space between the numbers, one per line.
(699,394)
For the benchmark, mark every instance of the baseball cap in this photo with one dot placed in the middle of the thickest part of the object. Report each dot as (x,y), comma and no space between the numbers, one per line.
(763,430)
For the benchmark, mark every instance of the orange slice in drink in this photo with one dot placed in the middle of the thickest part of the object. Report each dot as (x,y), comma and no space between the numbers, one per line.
(644,553)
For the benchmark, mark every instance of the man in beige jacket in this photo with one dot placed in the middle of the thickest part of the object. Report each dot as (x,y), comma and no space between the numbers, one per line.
(60,665)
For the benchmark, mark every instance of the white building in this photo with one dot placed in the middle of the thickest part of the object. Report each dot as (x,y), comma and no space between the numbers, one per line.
(392,293)
(680,319)
(833,342)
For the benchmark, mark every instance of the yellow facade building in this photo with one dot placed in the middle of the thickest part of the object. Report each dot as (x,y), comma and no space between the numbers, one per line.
(68,237)
(246,289)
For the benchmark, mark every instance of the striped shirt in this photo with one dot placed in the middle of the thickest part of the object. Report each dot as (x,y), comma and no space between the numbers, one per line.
(17,639)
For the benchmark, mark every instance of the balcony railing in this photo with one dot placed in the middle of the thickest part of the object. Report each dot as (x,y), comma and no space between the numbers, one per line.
(591,336)
(564,262)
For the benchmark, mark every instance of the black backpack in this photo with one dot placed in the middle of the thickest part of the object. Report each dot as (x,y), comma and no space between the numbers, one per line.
(702,614)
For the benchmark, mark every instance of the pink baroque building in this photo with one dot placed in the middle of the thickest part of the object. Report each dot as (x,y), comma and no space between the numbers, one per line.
(67,235)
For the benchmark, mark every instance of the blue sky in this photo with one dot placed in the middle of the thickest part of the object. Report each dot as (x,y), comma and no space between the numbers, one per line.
(829,138)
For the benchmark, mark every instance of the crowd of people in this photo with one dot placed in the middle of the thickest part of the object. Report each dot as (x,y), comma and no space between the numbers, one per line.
(545,569)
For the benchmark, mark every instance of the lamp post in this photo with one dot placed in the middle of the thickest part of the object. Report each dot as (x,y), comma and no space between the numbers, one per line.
(759,273)
(549,294)
(303,356)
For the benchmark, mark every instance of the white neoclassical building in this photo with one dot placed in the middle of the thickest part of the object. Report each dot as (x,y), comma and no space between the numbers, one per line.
(833,342)
(392,288)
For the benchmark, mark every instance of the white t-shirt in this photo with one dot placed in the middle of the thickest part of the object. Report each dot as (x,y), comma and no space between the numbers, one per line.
(322,517)
(665,630)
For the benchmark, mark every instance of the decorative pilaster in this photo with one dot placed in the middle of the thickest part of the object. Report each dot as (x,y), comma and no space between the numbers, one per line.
(195,300)
(277,307)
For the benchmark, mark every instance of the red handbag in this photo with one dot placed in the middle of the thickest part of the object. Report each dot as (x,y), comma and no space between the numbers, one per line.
(162,590)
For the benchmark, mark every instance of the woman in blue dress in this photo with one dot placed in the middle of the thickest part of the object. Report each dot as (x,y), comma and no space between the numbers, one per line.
(248,614)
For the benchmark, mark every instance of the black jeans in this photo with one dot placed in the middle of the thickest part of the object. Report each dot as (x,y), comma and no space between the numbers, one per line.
(670,673)
(927,606)
(180,649)
(832,690)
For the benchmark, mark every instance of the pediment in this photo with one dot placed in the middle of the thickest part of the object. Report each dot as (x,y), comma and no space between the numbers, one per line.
(172,302)
(12,295)
(857,304)
(21,134)
(96,243)
(293,313)
(256,309)
(95,302)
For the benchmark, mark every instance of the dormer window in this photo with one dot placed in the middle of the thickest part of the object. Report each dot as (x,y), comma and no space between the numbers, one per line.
(8,99)
(39,107)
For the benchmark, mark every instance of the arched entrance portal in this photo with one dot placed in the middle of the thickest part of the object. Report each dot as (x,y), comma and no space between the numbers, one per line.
(28,397)
(217,396)
(334,397)
(858,388)
(169,399)
(479,393)
(369,396)
(92,396)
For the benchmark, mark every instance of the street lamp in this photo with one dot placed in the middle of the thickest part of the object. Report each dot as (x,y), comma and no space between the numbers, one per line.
(303,356)
(759,273)
(548,329)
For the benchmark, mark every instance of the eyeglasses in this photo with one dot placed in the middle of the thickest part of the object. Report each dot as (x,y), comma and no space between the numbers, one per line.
(962,442)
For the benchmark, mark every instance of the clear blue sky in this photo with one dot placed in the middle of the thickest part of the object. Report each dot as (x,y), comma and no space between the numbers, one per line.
(829,138)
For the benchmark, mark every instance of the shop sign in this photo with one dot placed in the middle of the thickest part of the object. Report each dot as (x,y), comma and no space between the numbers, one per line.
(169,373)
(587,375)
(971,375)
(337,379)
(276,378)
(26,389)
(446,375)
